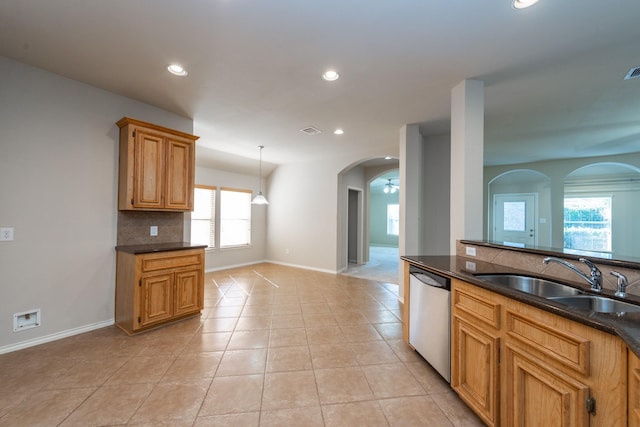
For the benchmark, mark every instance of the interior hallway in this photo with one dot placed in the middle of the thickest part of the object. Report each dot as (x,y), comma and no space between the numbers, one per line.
(383,265)
(275,346)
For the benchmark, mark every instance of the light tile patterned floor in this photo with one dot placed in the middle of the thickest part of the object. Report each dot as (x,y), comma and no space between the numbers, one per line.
(275,346)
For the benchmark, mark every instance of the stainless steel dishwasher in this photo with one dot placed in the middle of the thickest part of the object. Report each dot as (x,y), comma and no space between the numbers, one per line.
(430,318)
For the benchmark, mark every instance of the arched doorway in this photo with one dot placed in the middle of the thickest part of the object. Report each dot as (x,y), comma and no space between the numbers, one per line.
(364,248)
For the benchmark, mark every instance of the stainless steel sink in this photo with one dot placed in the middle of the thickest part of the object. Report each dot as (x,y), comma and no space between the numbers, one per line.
(531,285)
(596,303)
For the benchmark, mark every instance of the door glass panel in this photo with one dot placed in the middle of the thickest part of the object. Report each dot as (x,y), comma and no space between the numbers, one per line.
(514,216)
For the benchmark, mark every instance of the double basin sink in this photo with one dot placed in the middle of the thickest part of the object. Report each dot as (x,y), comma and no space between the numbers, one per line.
(560,293)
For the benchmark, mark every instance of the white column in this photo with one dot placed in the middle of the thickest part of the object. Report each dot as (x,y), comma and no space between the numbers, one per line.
(410,184)
(467,158)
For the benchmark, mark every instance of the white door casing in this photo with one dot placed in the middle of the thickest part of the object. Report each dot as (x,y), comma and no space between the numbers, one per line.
(515,218)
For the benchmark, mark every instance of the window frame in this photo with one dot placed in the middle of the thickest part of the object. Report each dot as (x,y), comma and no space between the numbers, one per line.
(212,220)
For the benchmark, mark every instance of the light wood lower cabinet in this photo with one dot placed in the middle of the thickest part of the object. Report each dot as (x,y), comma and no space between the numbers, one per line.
(634,390)
(475,346)
(538,395)
(517,365)
(156,288)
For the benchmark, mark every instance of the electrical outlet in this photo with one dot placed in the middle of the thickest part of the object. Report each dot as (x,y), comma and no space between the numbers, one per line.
(153,231)
(6,234)
(471,251)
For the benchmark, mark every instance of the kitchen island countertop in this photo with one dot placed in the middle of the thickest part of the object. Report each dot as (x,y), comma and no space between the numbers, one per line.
(626,326)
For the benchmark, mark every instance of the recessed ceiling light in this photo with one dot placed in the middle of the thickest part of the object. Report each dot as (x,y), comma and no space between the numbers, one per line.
(523,4)
(338,131)
(331,75)
(177,70)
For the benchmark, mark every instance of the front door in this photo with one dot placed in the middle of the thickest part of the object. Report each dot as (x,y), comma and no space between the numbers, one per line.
(514,219)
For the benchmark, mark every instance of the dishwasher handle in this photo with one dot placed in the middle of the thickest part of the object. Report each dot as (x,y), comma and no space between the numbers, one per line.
(431,279)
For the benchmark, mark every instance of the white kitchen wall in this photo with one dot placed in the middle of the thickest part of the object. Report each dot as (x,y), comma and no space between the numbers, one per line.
(58,176)
(215,258)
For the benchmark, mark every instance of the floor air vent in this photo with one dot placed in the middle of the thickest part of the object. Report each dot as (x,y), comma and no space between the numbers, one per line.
(633,73)
(310,130)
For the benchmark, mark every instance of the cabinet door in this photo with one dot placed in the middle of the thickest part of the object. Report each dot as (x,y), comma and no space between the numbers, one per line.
(180,174)
(148,175)
(538,395)
(474,369)
(156,299)
(189,296)
(634,390)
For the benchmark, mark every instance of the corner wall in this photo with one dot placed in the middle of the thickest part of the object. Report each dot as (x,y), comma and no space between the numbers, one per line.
(58,186)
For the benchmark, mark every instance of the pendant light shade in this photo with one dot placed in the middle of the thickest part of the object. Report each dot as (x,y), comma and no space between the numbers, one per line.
(260,199)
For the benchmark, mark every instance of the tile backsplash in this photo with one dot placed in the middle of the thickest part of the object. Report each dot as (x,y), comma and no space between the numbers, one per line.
(533,264)
(134,227)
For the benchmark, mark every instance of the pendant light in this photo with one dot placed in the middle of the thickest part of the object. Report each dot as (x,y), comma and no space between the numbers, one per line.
(260,199)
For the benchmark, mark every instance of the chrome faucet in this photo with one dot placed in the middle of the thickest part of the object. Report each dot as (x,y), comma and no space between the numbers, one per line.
(595,277)
(622,284)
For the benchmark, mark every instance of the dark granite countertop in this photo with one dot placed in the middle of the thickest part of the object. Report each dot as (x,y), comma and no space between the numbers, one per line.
(158,247)
(626,326)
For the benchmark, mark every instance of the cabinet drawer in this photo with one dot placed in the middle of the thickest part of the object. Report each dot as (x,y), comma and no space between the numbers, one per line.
(568,349)
(478,307)
(157,262)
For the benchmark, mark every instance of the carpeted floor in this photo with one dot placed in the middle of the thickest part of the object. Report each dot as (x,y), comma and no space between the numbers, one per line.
(382,266)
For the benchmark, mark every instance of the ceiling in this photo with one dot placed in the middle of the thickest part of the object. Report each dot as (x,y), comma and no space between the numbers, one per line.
(553,73)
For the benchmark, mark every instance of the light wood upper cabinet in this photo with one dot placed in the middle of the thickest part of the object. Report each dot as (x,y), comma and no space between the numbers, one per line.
(148,172)
(157,167)
(180,177)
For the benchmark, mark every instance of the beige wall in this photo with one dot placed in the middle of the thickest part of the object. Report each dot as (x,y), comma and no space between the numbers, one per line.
(58,176)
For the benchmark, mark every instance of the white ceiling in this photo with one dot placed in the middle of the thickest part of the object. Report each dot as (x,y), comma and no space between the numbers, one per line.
(553,73)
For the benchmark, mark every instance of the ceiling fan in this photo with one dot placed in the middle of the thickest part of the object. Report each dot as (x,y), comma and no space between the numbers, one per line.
(389,188)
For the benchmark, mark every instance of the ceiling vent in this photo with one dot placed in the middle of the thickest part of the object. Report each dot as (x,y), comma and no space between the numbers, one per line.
(633,73)
(310,130)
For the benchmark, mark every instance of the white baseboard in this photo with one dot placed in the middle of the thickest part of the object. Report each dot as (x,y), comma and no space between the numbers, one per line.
(56,336)
(229,267)
(304,267)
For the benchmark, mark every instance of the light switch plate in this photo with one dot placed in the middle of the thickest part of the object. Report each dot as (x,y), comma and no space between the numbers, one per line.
(153,231)
(6,234)
(471,251)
